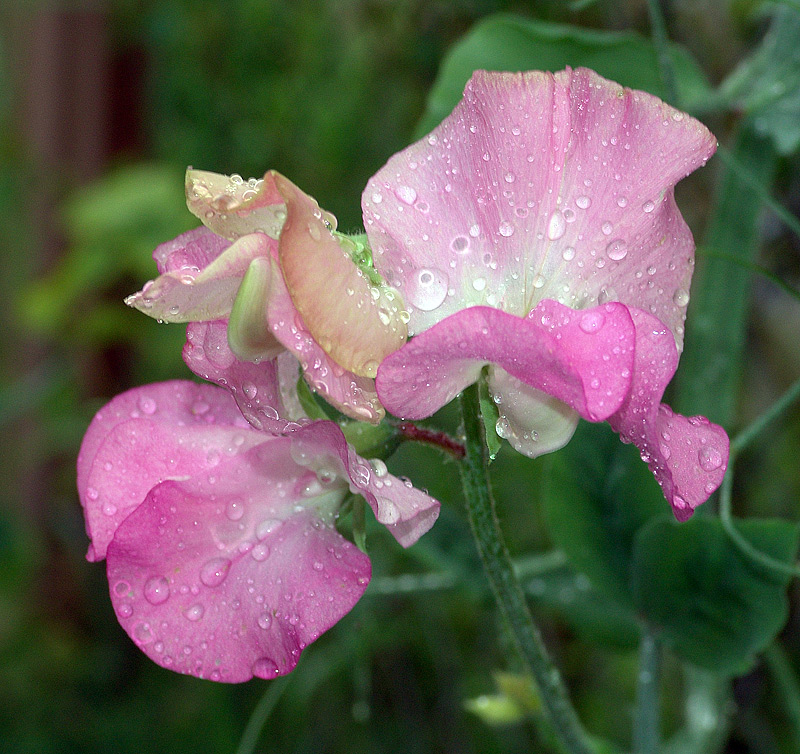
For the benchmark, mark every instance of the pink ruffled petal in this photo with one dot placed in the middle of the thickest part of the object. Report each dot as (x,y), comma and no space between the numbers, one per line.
(190,252)
(220,576)
(256,387)
(582,358)
(540,186)
(164,431)
(533,422)
(351,394)
(405,511)
(688,456)
(198,295)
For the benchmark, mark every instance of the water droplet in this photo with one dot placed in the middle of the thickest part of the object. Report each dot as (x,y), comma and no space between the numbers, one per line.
(264,621)
(430,289)
(125,610)
(142,633)
(195,612)
(681,297)
(607,228)
(314,232)
(250,390)
(539,281)
(479,284)
(557,226)
(460,244)
(474,230)
(591,322)
(583,202)
(509,177)
(214,572)
(260,552)
(156,590)
(147,405)
(264,668)
(506,229)
(710,459)
(568,254)
(648,206)
(267,526)
(235,509)
(406,194)
(617,250)
(377,198)
(380,468)
(92,493)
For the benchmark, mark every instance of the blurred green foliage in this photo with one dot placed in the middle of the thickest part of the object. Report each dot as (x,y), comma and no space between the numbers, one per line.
(325,92)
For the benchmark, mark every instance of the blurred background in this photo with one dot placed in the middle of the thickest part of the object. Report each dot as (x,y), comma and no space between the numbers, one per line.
(102,107)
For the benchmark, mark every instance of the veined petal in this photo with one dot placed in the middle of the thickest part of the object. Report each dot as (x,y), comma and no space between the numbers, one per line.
(688,456)
(146,435)
(582,358)
(540,186)
(231,574)
(404,510)
(351,394)
(355,322)
(189,295)
(256,387)
(533,422)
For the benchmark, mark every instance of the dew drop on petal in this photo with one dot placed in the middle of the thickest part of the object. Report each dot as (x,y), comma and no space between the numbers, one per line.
(710,459)
(460,244)
(591,322)
(568,254)
(260,552)
(479,284)
(429,290)
(267,527)
(617,250)
(406,194)
(156,590)
(264,621)
(264,668)
(557,226)
(214,572)
(681,297)
(195,612)
(147,405)
(506,229)
(583,202)
(648,206)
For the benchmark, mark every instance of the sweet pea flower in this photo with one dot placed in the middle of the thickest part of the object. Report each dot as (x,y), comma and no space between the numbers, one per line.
(222,555)
(270,263)
(535,231)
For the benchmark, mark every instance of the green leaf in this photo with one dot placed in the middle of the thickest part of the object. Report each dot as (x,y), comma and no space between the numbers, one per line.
(591,614)
(511,43)
(600,494)
(714,606)
(766,85)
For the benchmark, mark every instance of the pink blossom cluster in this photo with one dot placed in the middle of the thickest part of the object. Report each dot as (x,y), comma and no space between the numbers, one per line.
(532,237)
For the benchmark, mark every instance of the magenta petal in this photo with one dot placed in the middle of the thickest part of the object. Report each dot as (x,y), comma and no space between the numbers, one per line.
(148,434)
(583,358)
(539,186)
(190,252)
(255,387)
(405,511)
(221,577)
(688,457)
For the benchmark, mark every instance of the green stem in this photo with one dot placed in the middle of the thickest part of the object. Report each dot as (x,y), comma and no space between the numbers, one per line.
(786,682)
(508,593)
(261,713)
(665,65)
(647,718)
(747,435)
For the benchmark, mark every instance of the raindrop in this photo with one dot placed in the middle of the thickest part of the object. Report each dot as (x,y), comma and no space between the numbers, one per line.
(377,198)
(648,206)
(267,526)
(406,194)
(681,297)
(264,668)
(710,459)
(506,229)
(568,254)
(474,230)
(250,390)
(264,621)
(156,590)
(214,572)
(583,202)
(479,284)
(460,244)
(607,228)
(430,290)
(195,612)
(147,405)
(235,509)
(557,226)
(591,322)
(260,552)
(617,250)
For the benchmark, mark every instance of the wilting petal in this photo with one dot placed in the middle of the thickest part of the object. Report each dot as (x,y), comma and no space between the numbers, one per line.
(357,323)
(687,456)
(540,186)
(205,294)
(231,574)
(405,511)
(582,358)
(256,387)
(533,422)
(164,431)
(351,394)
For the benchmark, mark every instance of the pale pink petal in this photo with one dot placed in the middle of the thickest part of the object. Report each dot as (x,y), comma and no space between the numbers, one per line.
(687,456)
(540,186)
(582,358)
(168,430)
(190,252)
(351,394)
(232,574)
(355,321)
(533,422)
(190,294)
(405,511)
(255,386)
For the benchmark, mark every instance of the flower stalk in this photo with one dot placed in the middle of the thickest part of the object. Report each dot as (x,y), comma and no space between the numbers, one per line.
(507,590)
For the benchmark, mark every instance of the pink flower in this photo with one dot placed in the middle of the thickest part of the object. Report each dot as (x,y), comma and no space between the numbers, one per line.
(535,230)
(272,266)
(223,559)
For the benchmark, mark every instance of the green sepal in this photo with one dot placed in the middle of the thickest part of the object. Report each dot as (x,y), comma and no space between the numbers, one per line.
(489,416)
